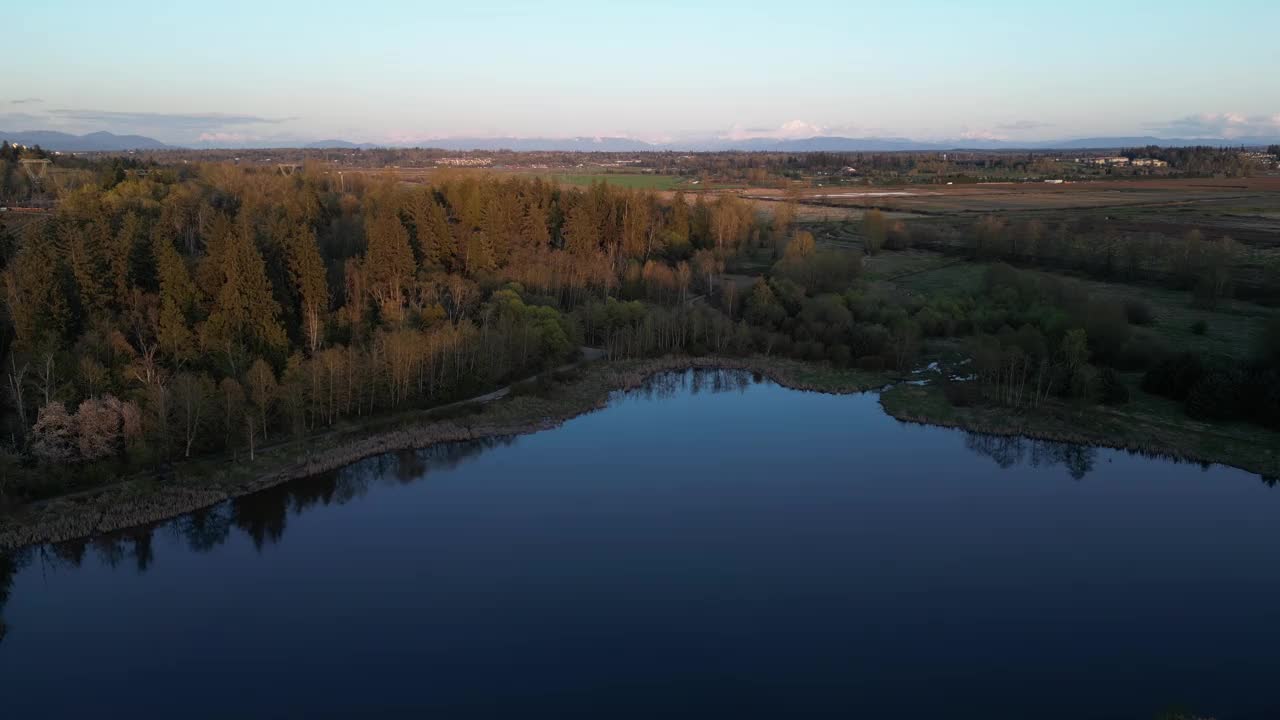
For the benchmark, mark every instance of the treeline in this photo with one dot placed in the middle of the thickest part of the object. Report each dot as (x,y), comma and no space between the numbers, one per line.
(214,309)
(1215,389)
(1037,336)
(1202,161)
(1205,266)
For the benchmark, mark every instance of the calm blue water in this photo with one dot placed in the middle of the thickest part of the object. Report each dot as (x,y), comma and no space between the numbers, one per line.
(718,546)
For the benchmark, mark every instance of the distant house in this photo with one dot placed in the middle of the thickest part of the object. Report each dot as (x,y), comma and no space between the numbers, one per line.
(464,161)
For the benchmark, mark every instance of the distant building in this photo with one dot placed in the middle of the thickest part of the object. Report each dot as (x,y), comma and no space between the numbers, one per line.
(465,161)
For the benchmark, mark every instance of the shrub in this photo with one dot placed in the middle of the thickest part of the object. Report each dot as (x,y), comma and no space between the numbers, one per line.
(1269,343)
(1111,387)
(1218,395)
(839,355)
(1174,377)
(54,437)
(1107,328)
(1138,312)
(1141,351)
(961,394)
(1266,398)
(871,363)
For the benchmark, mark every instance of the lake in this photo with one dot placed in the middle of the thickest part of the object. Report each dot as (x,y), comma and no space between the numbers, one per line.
(711,545)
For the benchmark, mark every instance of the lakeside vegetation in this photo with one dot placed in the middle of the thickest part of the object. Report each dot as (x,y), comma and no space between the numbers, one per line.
(184,323)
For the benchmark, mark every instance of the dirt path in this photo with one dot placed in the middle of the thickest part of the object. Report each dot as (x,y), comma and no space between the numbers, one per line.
(589,354)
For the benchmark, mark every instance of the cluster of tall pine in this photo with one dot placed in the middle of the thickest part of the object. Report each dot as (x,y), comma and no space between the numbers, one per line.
(221,307)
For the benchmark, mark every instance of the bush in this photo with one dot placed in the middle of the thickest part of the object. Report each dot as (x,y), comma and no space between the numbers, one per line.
(871,363)
(1107,328)
(1199,327)
(839,355)
(1141,352)
(1175,376)
(1111,387)
(1138,312)
(1269,343)
(1266,398)
(961,394)
(1218,395)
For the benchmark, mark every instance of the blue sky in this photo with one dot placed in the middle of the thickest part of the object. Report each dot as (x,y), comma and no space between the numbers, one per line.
(656,70)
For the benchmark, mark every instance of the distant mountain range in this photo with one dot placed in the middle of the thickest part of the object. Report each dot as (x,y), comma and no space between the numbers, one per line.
(109,142)
(66,142)
(813,144)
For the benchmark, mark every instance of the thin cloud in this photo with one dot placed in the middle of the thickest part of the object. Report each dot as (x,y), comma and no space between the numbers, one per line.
(174,121)
(1226,125)
(225,137)
(793,130)
(980,134)
(22,121)
(1024,125)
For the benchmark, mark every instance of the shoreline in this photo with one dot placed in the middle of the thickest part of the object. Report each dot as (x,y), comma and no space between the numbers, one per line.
(1108,433)
(137,502)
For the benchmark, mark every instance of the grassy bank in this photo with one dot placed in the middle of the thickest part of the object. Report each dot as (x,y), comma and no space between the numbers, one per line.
(1147,424)
(531,407)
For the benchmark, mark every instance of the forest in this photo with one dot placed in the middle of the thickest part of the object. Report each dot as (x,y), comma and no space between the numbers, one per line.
(208,309)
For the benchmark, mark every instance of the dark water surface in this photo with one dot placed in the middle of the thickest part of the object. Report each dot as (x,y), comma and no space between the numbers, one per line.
(718,546)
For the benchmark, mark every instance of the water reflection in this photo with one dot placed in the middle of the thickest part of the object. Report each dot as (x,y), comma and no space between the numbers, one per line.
(1011,451)
(10,564)
(264,517)
(694,382)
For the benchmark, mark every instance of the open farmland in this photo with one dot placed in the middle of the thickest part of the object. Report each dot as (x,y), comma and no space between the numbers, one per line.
(624,180)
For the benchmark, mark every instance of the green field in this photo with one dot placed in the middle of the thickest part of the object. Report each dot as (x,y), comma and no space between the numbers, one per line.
(1231,328)
(626,180)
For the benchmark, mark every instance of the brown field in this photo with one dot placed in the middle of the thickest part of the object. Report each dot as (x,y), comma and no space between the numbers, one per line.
(1246,209)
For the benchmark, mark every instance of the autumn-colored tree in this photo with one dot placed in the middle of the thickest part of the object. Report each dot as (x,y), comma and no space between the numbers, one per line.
(389,263)
(178,300)
(99,428)
(263,392)
(708,265)
(36,293)
(243,310)
(874,231)
(87,246)
(435,241)
(306,268)
(192,395)
(231,402)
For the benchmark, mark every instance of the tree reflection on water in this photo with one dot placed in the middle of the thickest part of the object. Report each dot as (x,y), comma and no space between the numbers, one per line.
(1010,450)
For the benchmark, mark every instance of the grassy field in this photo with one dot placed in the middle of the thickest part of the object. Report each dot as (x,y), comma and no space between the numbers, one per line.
(1231,328)
(626,180)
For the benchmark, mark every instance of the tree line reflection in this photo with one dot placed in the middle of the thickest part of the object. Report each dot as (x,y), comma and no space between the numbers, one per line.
(264,516)
(1078,460)
(693,382)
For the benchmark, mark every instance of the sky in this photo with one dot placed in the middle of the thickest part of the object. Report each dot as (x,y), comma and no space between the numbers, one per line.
(406,71)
